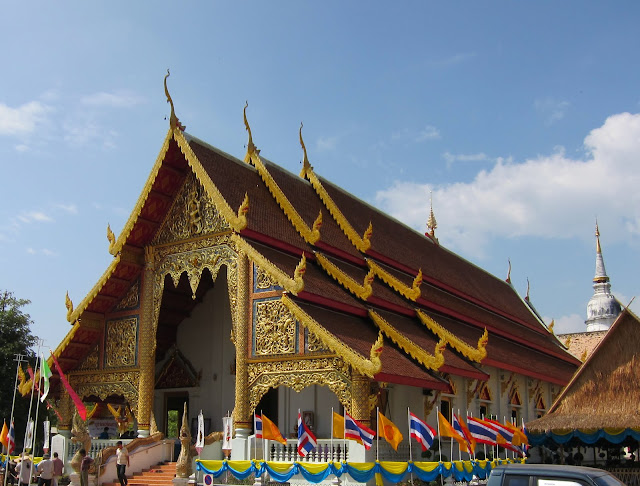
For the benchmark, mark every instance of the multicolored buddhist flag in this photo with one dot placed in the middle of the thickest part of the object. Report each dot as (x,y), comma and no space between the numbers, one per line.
(388,430)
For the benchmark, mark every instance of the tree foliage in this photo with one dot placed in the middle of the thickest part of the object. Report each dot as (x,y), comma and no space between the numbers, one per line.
(15,338)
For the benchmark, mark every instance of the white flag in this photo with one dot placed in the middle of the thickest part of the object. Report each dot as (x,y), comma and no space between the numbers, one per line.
(227,427)
(200,436)
(28,439)
(47,426)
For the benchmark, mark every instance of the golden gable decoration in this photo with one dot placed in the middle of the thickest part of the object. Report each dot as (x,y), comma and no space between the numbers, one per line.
(121,337)
(177,372)
(132,299)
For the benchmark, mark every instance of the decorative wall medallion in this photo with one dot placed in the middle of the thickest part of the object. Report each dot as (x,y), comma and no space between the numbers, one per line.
(275,330)
(121,338)
(192,214)
(132,299)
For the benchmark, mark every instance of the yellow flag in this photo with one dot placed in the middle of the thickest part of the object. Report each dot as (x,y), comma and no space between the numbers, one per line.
(3,435)
(388,430)
(338,426)
(270,431)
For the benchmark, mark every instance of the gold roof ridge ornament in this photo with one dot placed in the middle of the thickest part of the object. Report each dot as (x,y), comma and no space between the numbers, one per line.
(112,239)
(363,291)
(310,235)
(69,305)
(411,293)
(251,148)
(432,224)
(362,243)
(173,119)
(508,279)
(551,325)
(528,289)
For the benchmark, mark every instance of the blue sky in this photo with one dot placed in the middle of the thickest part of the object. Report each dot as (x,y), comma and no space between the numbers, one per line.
(522,119)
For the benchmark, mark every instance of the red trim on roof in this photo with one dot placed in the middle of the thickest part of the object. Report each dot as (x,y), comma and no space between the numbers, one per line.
(332,250)
(410,381)
(274,243)
(475,375)
(522,371)
(386,305)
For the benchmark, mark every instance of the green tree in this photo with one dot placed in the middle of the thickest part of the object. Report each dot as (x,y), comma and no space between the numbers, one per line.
(15,338)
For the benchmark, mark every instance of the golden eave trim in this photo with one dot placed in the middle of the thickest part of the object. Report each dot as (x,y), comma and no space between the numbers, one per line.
(429,361)
(311,235)
(369,367)
(236,219)
(411,293)
(293,285)
(65,342)
(77,312)
(474,354)
(362,290)
(362,243)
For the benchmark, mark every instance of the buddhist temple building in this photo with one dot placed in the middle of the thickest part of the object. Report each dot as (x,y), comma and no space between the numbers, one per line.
(237,286)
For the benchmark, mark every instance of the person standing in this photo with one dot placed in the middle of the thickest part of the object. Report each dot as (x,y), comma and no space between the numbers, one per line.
(45,468)
(58,469)
(24,470)
(122,461)
(84,468)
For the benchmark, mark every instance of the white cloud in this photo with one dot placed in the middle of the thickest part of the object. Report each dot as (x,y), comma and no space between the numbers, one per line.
(548,195)
(119,99)
(327,143)
(553,110)
(22,147)
(31,216)
(44,251)
(428,133)
(69,208)
(22,120)
(568,324)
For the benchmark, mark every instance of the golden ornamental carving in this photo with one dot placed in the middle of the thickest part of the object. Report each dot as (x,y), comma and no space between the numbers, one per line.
(368,367)
(411,293)
(311,235)
(504,384)
(293,285)
(121,337)
(428,403)
(193,257)
(429,361)
(275,328)
(174,123)
(474,354)
(472,389)
(92,360)
(69,305)
(184,467)
(111,238)
(313,344)
(361,398)
(299,374)
(104,384)
(263,281)
(551,326)
(362,290)
(242,413)
(192,214)
(236,220)
(132,299)
(536,388)
(362,243)
(80,434)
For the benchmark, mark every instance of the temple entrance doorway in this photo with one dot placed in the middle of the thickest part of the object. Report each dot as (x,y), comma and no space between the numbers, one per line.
(174,408)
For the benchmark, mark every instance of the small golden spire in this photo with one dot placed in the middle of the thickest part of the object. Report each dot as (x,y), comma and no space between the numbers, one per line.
(173,119)
(509,271)
(598,248)
(305,162)
(251,148)
(551,326)
(69,305)
(432,224)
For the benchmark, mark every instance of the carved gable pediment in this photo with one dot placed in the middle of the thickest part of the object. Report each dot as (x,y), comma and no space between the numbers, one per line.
(192,214)
(91,361)
(177,372)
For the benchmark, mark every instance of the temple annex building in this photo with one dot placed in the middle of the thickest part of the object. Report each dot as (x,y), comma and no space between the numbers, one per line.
(236,285)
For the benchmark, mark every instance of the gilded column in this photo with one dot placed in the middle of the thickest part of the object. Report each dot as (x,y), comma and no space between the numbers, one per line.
(360,409)
(66,411)
(241,413)
(146,347)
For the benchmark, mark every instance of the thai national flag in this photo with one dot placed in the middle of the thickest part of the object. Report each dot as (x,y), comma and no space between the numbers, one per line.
(483,432)
(11,440)
(421,432)
(358,432)
(257,425)
(306,440)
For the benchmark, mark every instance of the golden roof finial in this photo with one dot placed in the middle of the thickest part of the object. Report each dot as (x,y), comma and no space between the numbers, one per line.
(251,148)
(69,305)
(598,248)
(432,224)
(305,162)
(508,280)
(585,353)
(528,288)
(173,119)
(551,326)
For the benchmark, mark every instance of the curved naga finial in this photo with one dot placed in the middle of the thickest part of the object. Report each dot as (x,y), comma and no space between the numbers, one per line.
(112,239)
(305,162)
(251,148)
(173,120)
(508,280)
(69,305)
(528,288)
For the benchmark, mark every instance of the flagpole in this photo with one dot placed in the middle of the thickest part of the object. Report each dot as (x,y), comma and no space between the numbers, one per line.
(439,443)
(35,421)
(331,446)
(33,384)
(344,436)
(377,433)
(459,446)
(409,437)
(18,358)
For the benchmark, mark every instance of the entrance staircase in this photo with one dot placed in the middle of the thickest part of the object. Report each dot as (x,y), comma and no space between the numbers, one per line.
(161,475)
